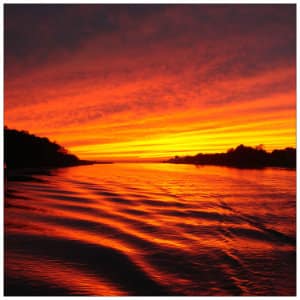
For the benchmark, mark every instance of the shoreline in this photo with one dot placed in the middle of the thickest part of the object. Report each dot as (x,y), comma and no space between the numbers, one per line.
(234,166)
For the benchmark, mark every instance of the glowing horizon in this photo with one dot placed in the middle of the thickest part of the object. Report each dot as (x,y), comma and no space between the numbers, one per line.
(128,82)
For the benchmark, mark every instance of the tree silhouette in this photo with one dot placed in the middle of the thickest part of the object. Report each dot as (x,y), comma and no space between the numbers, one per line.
(22,149)
(243,157)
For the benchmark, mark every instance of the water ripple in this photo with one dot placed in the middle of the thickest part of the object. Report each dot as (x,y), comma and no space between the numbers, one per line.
(150,230)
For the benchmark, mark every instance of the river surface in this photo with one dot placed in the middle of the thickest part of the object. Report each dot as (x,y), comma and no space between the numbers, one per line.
(151,229)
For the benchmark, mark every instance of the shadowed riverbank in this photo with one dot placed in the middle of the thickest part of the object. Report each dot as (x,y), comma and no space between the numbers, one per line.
(25,150)
(243,157)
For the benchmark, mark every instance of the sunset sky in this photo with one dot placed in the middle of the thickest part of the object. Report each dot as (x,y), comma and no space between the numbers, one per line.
(151,81)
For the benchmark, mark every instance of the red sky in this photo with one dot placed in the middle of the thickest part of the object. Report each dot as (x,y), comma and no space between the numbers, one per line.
(152,81)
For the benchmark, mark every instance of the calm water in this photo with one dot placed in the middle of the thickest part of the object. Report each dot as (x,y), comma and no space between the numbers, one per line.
(152,229)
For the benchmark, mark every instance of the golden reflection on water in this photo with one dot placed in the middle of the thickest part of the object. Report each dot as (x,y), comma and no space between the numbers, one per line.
(152,229)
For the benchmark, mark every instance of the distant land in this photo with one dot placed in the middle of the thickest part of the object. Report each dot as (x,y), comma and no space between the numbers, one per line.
(243,157)
(25,150)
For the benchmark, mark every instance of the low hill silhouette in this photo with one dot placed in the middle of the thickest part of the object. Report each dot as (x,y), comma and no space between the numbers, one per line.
(25,150)
(243,157)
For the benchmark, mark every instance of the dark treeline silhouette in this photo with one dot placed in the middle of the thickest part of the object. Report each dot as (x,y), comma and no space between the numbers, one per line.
(22,149)
(243,157)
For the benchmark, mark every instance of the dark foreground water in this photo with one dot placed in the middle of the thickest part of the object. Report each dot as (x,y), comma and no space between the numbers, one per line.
(151,229)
